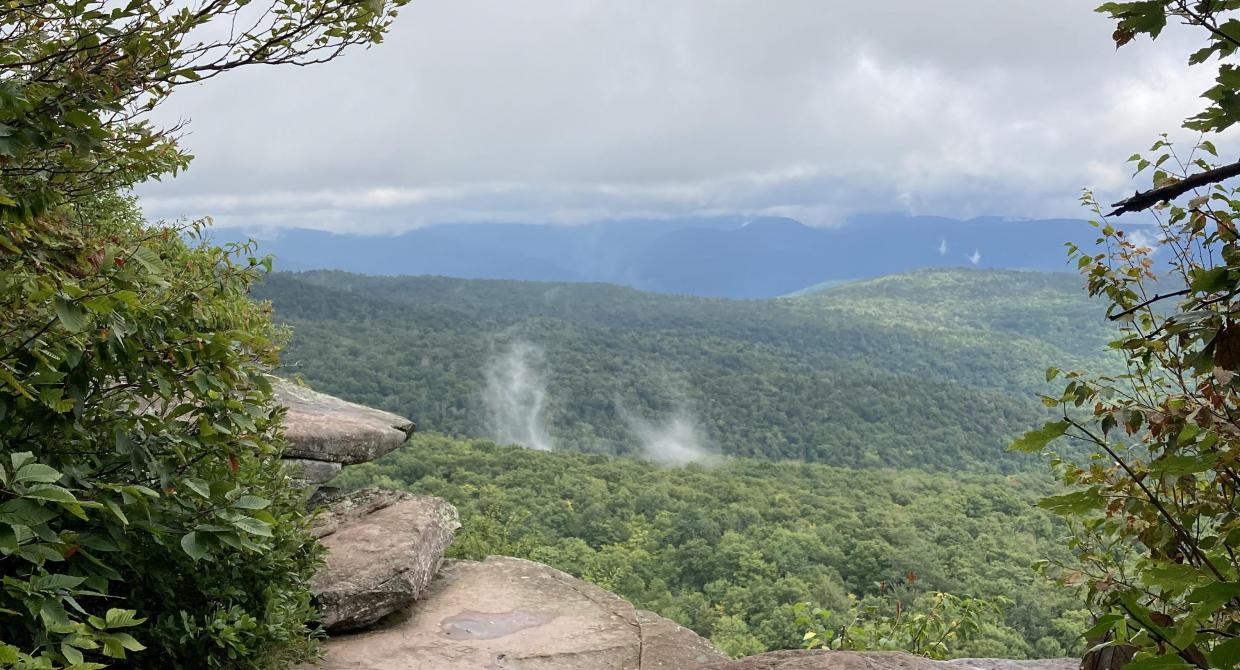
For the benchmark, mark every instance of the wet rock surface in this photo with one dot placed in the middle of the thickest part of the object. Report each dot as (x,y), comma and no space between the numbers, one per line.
(384,548)
(511,614)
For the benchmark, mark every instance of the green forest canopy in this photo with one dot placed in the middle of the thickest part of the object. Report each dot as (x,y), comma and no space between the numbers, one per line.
(728,551)
(936,369)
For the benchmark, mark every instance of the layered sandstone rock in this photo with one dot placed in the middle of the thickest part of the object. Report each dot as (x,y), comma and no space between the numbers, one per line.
(383,550)
(325,429)
(511,614)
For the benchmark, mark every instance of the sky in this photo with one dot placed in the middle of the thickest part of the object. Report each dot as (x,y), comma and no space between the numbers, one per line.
(569,111)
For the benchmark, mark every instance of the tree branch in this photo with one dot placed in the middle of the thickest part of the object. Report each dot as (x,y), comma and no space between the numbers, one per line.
(1144,200)
(1147,303)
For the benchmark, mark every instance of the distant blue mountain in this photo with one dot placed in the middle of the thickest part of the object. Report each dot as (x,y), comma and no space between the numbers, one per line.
(717,257)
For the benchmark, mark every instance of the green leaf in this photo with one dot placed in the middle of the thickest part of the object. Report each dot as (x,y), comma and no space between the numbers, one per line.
(251,502)
(8,539)
(8,378)
(115,644)
(149,260)
(57,582)
(116,511)
(39,554)
(1215,594)
(1036,440)
(1226,655)
(20,458)
(194,545)
(71,315)
(1165,662)
(253,526)
(1183,464)
(1074,503)
(1104,625)
(1210,281)
(79,117)
(37,472)
(119,618)
(22,512)
(71,654)
(51,493)
(198,486)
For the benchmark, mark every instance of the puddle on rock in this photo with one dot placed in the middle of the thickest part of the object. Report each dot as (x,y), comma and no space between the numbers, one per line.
(470,625)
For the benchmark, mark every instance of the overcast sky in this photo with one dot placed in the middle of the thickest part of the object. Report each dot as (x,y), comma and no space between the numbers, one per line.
(576,110)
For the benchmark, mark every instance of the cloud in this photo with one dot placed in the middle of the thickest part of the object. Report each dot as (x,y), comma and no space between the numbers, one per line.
(565,111)
(1143,239)
(975,257)
(943,247)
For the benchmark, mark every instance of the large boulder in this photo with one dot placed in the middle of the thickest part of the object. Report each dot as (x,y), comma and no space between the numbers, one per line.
(311,473)
(881,660)
(511,614)
(667,644)
(383,550)
(320,427)
(1014,664)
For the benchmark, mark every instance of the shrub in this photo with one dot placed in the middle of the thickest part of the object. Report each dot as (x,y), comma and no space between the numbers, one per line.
(936,625)
(143,513)
(144,517)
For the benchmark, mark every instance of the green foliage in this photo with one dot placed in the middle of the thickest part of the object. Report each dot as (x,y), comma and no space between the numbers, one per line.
(144,518)
(934,370)
(729,551)
(935,626)
(139,486)
(1217,20)
(1156,523)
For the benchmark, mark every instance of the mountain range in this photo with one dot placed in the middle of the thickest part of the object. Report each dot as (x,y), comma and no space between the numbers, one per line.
(730,257)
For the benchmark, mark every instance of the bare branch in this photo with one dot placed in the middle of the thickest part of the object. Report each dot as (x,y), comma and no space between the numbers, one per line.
(1144,200)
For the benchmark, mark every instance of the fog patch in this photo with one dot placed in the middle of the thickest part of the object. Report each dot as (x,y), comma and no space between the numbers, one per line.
(674,442)
(516,397)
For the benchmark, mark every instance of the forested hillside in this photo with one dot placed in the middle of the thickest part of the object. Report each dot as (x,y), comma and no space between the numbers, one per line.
(935,370)
(728,551)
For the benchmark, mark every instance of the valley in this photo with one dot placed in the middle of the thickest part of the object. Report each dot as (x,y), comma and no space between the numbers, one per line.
(935,370)
(729,550)
(845,448)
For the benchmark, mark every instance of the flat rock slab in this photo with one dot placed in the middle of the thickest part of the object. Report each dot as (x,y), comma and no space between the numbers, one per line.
(321,427)
(511,614)
(1012,664)
(666,645)
(882,660)
(383,550)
